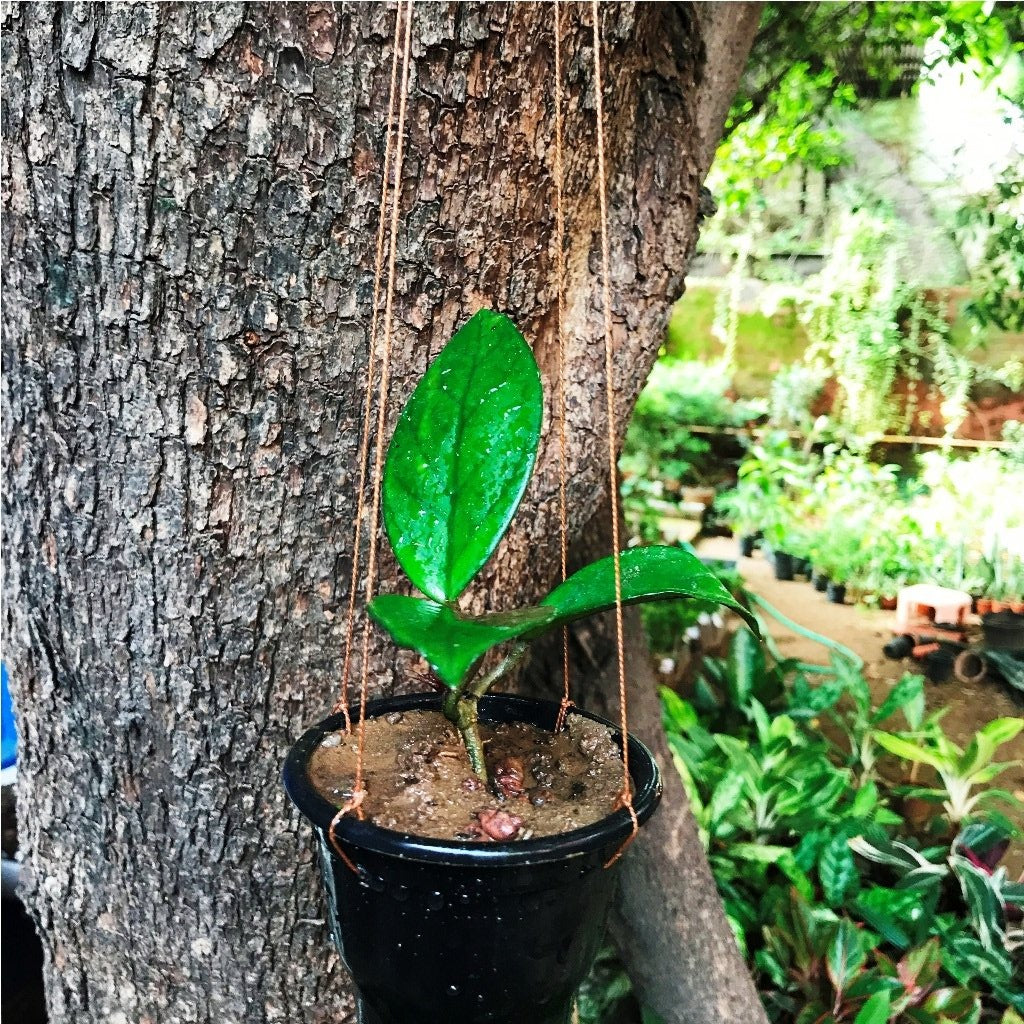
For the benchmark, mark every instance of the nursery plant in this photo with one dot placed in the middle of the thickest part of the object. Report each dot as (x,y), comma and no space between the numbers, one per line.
(965,774)
(844,911)
(459,461)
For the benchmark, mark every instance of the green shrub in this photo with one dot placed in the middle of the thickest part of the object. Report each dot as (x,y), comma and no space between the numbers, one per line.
(845,912)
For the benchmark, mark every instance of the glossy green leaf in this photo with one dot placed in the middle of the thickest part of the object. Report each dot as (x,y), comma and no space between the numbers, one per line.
(648,574)
(462,454)
(450,642)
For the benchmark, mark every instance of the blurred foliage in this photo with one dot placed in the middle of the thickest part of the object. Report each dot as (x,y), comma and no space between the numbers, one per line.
(993,224)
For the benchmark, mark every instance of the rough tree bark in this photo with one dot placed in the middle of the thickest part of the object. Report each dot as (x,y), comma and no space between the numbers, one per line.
(190,196)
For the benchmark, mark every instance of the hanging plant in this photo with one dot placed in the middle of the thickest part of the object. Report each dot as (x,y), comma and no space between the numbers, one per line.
(459,461)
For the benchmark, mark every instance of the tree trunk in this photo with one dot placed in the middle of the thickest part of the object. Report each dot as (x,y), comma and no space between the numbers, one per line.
(190,205)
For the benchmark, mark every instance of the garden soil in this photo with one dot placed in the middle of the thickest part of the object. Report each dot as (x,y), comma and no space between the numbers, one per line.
(419,781)
(864,631)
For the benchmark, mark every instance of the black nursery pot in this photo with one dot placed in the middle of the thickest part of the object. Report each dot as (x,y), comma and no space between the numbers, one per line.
(747,542)
(783,563)
(820,581)
(836,592)
(443,932)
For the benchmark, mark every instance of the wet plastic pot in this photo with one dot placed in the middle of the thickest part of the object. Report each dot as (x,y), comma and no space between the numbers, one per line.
(439,932)
(836,592)
(783,564)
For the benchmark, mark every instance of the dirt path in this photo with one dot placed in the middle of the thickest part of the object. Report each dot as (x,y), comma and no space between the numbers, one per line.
(864,631)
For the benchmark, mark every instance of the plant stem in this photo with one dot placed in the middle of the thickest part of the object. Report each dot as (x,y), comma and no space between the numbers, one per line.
(460,707)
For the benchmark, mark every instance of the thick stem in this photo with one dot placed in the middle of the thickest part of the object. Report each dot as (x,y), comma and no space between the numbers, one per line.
(466,721)
(460,707)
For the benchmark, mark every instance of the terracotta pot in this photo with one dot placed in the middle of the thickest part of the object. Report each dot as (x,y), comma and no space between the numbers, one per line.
(984,605)
(1000,606)
(887,604)
(1017,607)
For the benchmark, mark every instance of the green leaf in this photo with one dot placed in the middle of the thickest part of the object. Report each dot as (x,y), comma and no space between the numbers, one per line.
(865,801)
(875,1010)
(677,714)
(966,959)
(986,741)
(904,696)
(846,955)
(920,967)
(909,751)
(450,642)
(746,664)
(462,454)
(954,1004)
(895,914)
(837,870)
(725,799)
(983,902)
(651,573)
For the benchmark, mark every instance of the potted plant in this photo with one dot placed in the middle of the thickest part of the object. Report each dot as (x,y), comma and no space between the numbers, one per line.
(743,507)
(521,913)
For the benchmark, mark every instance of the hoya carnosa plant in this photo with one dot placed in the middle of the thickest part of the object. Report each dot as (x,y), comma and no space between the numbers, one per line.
(460,458)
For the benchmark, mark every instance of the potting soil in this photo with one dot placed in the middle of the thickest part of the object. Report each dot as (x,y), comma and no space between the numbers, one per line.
(419,781)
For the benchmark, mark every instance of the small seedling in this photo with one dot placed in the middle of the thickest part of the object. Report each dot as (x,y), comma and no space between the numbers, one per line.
(461,456)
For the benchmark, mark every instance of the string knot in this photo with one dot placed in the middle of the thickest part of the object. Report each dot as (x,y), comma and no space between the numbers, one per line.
(353,803)
(563,710)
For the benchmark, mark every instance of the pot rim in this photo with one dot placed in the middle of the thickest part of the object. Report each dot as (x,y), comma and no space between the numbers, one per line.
(364,835)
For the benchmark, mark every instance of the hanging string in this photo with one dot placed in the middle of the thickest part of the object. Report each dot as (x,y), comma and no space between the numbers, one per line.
(364,444)
(563,708)
(626,796)
(354,803)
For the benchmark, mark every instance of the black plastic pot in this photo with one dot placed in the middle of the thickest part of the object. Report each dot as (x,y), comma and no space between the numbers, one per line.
(938,665)
(1003,631)
(836,592)
(899,647)
(801,566)
(820,581)
(747,542)
(783,564)
(440,932)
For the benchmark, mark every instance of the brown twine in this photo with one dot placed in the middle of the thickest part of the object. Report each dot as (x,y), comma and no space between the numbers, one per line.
(354,802)
(364,444)
(566,703)
(626,796)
